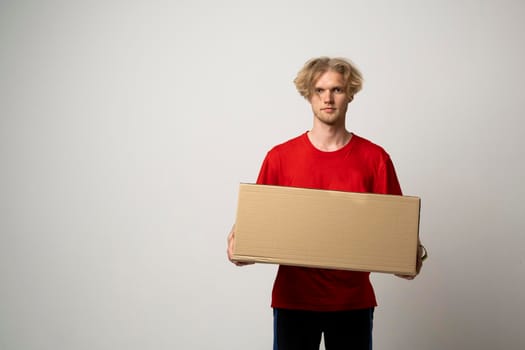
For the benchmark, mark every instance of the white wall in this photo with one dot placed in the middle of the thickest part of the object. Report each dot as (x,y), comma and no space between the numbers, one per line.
(125,127)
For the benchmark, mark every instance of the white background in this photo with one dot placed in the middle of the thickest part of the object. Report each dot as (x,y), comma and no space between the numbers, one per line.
(126,126)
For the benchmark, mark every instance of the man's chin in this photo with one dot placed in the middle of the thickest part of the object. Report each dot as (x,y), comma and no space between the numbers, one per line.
(329,121)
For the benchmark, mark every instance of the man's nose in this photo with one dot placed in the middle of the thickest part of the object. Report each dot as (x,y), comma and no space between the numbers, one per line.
(328,96)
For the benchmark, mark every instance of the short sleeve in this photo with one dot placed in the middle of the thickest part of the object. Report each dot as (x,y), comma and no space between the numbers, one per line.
(269,173)
(386,181)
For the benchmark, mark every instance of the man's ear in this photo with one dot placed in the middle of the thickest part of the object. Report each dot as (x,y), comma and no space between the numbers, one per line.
(350,98)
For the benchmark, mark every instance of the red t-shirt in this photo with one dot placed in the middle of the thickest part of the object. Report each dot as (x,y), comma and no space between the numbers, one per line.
(360,166)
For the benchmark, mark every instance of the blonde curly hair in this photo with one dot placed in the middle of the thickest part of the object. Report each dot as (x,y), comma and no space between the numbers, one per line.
(314,68)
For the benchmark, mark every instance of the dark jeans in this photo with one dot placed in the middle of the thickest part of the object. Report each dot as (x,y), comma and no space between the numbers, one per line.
(301,330)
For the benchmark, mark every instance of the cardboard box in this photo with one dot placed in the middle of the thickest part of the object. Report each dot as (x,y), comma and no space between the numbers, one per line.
(328,229)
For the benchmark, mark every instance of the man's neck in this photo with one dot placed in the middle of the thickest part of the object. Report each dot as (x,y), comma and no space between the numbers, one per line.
(329,138)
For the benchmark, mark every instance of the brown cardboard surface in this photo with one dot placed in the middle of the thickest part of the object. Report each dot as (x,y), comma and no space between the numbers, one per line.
(329,229)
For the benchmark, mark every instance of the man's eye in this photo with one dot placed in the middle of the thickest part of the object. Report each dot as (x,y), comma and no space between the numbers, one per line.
(318,90)
(338,90)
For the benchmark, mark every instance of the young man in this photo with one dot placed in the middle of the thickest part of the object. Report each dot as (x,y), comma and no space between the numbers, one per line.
(309,302)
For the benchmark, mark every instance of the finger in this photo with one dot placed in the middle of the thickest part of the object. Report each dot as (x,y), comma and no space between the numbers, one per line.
(407,277)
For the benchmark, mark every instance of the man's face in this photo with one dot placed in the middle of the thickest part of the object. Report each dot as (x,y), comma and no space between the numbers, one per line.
(329,99)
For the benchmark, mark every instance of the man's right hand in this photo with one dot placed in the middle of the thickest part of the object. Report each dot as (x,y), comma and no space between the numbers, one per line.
(231,242)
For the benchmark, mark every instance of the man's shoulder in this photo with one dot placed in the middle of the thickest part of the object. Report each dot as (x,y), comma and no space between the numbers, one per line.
(291,144)
(368,145)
